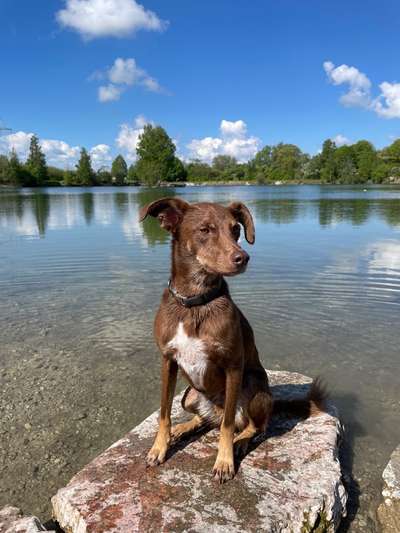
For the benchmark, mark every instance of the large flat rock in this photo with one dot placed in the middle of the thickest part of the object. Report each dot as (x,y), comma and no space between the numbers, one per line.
(389,510)
(290,481)
(13,521)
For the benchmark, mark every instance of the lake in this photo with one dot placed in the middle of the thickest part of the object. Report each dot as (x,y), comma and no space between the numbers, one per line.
(80,282)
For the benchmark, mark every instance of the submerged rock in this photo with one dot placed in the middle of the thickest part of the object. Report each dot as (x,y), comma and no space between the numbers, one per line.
(12,521)
(389,510)
(290,481)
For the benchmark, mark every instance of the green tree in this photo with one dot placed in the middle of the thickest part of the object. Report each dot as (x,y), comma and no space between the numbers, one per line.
(345,165)
(199,171)
(365,159)
(15,171)
(286,162)
(119,170)
(36,162)
(132,176)
(84,171)
(177,171)
(4,179)
(327,161)
(103,176)
(156,155)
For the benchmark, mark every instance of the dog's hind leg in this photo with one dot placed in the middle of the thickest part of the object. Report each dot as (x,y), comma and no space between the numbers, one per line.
(259,410)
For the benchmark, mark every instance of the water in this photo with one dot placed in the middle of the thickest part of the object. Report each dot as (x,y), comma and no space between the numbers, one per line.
(80,281)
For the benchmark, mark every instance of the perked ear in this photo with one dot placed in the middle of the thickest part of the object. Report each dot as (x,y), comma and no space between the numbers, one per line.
(243,215)
(169,212)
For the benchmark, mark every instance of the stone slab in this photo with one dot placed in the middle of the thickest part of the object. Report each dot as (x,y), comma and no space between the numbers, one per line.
(13,521)
(290,481)
(389,510)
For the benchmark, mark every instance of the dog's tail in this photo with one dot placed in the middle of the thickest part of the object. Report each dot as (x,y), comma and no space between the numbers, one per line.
(313,403)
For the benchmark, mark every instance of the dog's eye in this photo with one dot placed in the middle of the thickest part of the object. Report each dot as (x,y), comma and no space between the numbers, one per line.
(205,230)
(236,231)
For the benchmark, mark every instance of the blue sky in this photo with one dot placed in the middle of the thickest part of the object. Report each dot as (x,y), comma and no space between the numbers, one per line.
(92,72)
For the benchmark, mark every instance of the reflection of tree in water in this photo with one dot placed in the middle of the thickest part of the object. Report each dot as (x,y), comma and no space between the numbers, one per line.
(12,204)
(41,210)
(357,211)
(87,201)
(151,227)
(278,211)
(389,210)
(121,202)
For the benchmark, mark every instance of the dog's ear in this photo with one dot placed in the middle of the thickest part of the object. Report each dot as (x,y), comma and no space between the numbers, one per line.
(169,212)
(243,215)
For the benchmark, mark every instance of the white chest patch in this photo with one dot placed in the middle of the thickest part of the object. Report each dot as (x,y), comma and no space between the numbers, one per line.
(190,355)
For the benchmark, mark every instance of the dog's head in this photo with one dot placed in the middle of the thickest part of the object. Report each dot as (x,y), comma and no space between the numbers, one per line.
(207,233)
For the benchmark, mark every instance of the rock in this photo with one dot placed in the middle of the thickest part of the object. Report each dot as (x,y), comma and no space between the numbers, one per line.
(12,521)
(288,482)
(389,510)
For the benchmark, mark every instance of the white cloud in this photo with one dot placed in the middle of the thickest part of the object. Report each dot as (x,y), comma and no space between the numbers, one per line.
(359,85)
(123,73)
(341,140)
(386,105)
(18,141)
(233,142)
(108,18)
(101,155)
(109,93)
(233,129)
(58,153)
(128,136)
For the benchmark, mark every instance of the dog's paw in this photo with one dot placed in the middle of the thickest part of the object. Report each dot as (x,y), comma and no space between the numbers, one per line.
(156,455)
(223,470)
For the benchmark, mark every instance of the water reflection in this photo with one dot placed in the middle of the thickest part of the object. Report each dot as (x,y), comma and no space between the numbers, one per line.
(32,213)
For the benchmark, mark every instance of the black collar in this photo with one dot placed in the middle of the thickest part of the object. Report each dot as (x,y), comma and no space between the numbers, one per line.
(200,299)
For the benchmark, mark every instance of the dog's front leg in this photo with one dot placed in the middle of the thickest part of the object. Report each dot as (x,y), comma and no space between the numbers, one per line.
(168,378)
(224,468)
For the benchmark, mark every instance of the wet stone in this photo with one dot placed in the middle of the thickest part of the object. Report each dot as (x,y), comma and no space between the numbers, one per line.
(13,521)
(290,481)
(389,510)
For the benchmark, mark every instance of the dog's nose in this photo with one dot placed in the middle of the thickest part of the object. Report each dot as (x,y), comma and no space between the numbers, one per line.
(240,258)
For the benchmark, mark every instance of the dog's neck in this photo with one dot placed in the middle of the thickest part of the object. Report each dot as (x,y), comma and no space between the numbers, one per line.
(188,277)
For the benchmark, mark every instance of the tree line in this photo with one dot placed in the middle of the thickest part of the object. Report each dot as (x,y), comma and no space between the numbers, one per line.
(157,163)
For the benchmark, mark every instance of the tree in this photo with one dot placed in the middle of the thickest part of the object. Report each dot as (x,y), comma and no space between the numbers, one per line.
(156,155)
(15,171)
(103,176)
(4,179)
(132,176)
(197,170)
(365,159)
(286,162)
(177,172)
(36,162)
(84,172)
(119,170)
(345,165)
(327,160)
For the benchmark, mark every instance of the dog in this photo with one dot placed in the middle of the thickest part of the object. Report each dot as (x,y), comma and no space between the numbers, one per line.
(199,330)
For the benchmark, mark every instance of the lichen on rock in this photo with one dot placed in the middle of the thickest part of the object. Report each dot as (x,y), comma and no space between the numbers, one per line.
(13,521)
(290,481)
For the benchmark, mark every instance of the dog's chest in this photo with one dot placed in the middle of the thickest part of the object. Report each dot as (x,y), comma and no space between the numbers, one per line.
(190,354)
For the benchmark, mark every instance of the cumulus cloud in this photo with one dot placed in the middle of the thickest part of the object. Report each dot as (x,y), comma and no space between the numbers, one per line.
(233,141)
(101,155)
(341,140)
(18,141)
(124,73)
(107,18)
(386,104)
(58,153)
(128,136)
(359,85)
(109,93)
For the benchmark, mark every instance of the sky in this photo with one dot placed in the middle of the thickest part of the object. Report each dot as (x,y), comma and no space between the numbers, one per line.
(222,77)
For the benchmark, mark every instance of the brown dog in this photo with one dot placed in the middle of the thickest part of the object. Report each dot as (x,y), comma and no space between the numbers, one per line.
(199,329)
